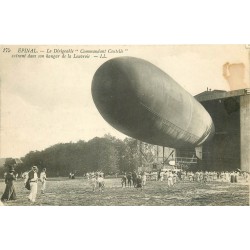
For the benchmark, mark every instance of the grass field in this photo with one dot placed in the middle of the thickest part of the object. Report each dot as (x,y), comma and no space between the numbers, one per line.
(66,192)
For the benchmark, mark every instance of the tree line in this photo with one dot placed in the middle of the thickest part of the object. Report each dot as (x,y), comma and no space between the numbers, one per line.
(107,154)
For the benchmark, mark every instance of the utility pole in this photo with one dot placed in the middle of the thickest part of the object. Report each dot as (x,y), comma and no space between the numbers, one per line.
(163,156)
(139,155)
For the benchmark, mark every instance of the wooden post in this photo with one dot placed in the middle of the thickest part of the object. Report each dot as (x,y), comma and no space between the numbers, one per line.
(163,156)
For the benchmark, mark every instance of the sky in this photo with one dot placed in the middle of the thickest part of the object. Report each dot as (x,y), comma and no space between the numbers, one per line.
(45,101)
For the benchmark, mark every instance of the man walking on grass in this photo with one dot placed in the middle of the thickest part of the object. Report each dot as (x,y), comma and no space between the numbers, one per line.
(43,179)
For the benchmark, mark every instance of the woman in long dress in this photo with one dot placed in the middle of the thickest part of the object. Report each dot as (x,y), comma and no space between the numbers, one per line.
(9,192)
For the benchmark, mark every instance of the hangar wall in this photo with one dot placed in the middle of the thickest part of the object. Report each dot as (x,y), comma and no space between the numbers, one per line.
(230,147)
(245,132)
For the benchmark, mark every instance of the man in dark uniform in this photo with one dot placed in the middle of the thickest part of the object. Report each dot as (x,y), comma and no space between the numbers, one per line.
(139,182)
(134,178)
(129,178)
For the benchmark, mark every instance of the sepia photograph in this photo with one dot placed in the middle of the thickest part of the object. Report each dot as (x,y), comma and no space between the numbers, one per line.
(125,125)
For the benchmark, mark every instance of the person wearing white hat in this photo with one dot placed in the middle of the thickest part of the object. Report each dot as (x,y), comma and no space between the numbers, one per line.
(100,181)
(144,179)
(33,178)
(93,182)
(43,179)
(170,179)
(161,176)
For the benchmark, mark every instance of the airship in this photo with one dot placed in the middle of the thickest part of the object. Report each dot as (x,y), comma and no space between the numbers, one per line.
(142,101)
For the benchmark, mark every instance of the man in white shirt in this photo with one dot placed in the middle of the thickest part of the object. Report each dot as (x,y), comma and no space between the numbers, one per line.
(43,179)
(100,181)
(25,176)
(93,182)
(33,178)
(161,176)
(170,179)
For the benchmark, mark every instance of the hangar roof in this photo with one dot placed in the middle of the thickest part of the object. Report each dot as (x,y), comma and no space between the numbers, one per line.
(220,94)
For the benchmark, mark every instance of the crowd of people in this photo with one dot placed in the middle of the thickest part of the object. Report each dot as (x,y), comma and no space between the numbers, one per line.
(30,182)
(138,179)
(131,179)
(96,180)
(172,176)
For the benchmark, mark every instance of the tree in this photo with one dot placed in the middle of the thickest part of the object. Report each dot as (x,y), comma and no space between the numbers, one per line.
(108,154)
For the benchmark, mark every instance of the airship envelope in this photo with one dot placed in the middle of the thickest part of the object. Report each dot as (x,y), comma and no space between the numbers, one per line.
(142,101)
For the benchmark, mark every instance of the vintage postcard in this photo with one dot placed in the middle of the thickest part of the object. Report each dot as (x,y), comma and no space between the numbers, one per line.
(117,125)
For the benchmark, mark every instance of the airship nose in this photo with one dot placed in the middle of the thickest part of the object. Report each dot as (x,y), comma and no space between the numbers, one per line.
(112,95)
(107,85)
